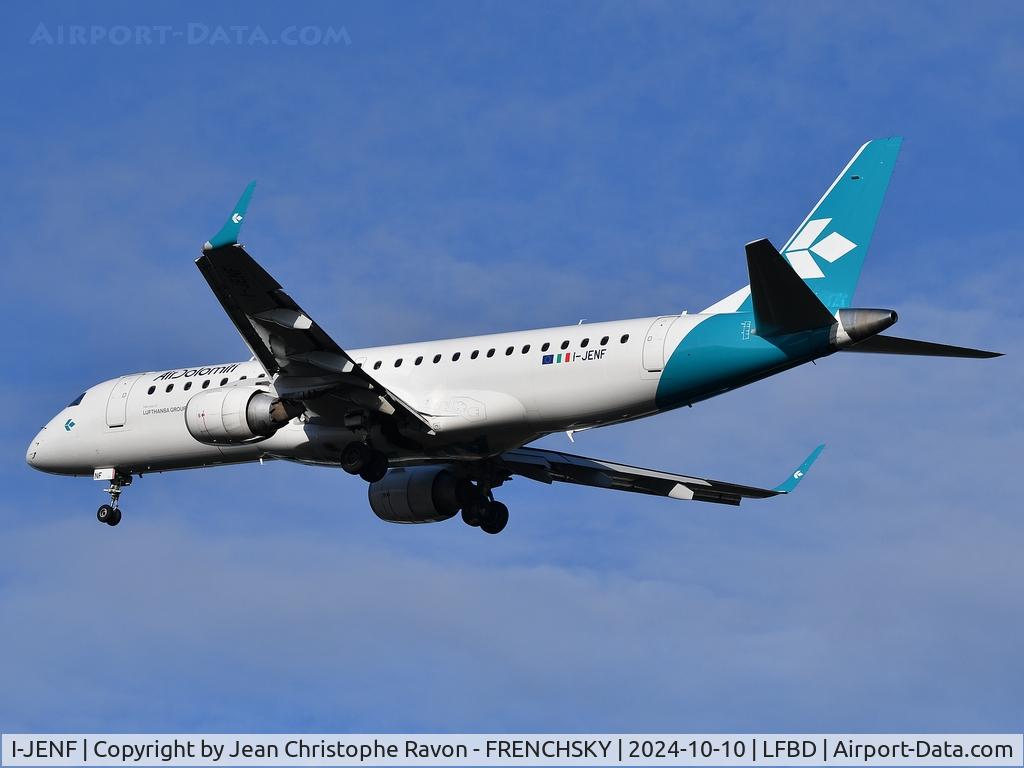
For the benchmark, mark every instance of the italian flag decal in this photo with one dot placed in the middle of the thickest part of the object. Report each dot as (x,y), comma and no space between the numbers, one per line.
(573,357)
(561,357)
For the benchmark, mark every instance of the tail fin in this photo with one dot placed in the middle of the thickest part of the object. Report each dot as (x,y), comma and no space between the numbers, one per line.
(828,248)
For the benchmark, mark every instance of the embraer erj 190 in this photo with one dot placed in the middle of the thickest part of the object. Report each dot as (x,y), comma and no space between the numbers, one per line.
(435,427)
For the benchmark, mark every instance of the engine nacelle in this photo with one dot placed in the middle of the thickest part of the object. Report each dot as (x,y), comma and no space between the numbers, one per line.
(236,415)
(415,495)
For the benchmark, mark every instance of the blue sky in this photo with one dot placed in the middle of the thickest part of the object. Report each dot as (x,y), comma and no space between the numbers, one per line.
(462,168)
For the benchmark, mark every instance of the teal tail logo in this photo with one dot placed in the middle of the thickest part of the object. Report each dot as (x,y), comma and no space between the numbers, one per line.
(828,248)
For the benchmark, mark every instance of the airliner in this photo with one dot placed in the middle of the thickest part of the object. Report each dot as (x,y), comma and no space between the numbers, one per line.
(435,427)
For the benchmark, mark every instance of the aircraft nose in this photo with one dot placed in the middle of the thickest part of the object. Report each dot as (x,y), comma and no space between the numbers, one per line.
(32,455)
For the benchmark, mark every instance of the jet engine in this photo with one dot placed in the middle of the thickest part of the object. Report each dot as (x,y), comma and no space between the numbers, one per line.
(415,495)
(235,415)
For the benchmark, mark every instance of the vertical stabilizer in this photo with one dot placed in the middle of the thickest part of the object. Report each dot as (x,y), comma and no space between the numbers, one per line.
(827,250)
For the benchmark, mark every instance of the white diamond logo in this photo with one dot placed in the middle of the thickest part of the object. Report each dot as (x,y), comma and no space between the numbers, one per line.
(831,248)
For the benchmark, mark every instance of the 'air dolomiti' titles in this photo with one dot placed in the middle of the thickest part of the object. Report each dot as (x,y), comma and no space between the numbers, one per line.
(190,372)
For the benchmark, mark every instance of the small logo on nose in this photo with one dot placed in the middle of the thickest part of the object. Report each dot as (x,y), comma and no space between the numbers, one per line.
(69,425)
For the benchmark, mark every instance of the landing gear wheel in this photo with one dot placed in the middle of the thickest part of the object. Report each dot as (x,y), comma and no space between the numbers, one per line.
(108,514)
(471,514)
(376,468)
(355,457)
(495,518)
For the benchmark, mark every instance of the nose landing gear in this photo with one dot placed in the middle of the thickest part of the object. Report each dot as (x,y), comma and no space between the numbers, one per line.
(111,513)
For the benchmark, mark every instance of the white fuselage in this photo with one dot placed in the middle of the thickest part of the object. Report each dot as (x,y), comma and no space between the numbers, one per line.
(481,395)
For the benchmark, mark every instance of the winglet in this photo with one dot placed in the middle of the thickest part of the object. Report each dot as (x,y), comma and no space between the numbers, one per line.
(793,480)
(228,234)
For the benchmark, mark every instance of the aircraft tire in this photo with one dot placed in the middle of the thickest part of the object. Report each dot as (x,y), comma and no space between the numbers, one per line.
(115,518)
(471,514)
(495,518)
(105,513)
(355,457)
(376,468)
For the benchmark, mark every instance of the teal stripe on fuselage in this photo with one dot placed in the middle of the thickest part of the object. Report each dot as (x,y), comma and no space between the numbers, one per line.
(721,353)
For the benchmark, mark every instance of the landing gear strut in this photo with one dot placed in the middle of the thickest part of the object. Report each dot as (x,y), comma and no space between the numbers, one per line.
(111,513)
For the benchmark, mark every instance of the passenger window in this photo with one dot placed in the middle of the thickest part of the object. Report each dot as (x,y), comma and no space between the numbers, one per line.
(510,350)
(418,360)
(565,345)
(475,355)
(456,356)
(188,385)
(526,348)
(262,376)
(490,352)
(206,384)
(583,344)
(151,390)
(376,365)
(240,378)
(169,388)
(437,358)
(604,340)
(624,339)
(545,347)
(398,362)
(223,381)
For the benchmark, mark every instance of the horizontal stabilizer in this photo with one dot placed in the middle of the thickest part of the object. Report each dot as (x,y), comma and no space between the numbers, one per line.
(782,301)
(893,345)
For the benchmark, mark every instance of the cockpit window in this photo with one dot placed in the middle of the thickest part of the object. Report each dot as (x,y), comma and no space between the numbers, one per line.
(76,401)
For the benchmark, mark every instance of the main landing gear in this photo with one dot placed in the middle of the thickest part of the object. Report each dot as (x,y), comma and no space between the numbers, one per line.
(360,459)
(480,510)
(111,513)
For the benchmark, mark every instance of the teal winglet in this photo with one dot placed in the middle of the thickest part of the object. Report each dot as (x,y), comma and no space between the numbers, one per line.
(228,234)
(793,480)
